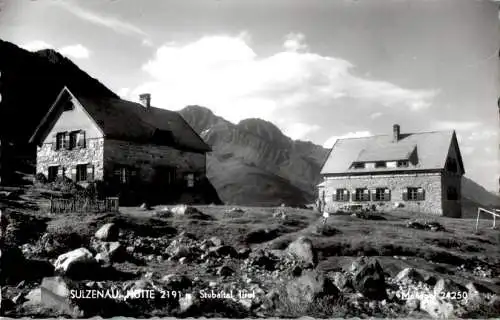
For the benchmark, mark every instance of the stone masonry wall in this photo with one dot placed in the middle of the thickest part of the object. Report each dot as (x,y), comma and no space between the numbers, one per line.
(91,154)
(145,157)
(431,183)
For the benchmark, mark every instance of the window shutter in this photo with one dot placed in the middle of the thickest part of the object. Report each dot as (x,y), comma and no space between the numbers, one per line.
(66,140)
(54,142)
(421,194)
(366,195)
(90,172)
(405,194)
(73,173)
(81,139)
(353,196)
(60,172)
(387,194)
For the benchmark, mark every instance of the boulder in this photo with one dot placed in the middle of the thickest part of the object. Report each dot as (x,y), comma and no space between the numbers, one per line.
(446,285)
(369,280)
(478,288)
(185,302)
(436,307)
(342,281)
(225,271)
(111,252)
(223,251)
(108,232)
(409,275)
(216,241)
(303,250)
(75,263)
(164,213)
(264,260)
(309,287)
(177,282)
(53,294)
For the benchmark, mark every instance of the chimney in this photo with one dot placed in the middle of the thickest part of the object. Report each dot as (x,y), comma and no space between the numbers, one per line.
(395,132)
(145,99)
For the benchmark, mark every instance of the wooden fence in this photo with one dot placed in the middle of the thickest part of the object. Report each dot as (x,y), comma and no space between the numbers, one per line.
(109,204)
(494,212)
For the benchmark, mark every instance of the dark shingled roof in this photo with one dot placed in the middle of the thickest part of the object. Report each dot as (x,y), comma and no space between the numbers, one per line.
(431,151)
(130,121)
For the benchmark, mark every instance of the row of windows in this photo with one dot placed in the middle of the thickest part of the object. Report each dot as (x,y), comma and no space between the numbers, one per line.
(79,173)
(381,164)
(378,194)
(123,174)
(70,140)
(384,194)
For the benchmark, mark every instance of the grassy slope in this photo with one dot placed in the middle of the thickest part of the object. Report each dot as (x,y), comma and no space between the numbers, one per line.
(436,252)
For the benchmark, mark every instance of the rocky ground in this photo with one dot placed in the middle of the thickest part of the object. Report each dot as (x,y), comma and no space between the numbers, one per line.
(218,261)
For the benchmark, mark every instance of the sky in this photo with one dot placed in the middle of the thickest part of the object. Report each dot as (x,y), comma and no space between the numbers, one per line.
(318,69)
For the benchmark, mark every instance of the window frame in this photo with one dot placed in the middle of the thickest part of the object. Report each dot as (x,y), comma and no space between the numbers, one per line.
(190,178)
(358,165)
(364,192)
(52,177)
(414,194)
(81,172)
(380,194)
(380,164)
(402,163)
(60,140)
(341,195)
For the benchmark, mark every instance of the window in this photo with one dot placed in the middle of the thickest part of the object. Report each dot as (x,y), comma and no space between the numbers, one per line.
(81,172)
(382,194)
(60,138)
(358,165)
(361,194)
(124,174)
(53,171)
(452,193)
(341,195)
(380,164)
(402,163)
(414,194)
(72,139)
(190,180)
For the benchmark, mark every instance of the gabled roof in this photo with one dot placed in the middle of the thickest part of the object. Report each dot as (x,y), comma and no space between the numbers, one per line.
(430,150)
(130,121)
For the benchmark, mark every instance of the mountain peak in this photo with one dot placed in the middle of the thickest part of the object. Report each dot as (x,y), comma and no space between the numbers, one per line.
(52,56)
(264,129)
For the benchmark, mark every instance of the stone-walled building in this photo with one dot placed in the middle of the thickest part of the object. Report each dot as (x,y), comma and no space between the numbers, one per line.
(418,172)
(136,149)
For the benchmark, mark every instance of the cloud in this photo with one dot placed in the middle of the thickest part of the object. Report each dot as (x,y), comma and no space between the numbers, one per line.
(358,134)
(295,42)
(76,51)
(110,22)
(299,130)
(225,74)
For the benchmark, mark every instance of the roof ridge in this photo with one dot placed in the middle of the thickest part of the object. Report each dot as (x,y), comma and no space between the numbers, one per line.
(401,133)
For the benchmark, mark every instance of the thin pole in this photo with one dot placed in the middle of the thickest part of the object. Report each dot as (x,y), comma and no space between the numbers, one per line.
(477,220)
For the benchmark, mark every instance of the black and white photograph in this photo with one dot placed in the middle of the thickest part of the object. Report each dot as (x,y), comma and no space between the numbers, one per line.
(328,159)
